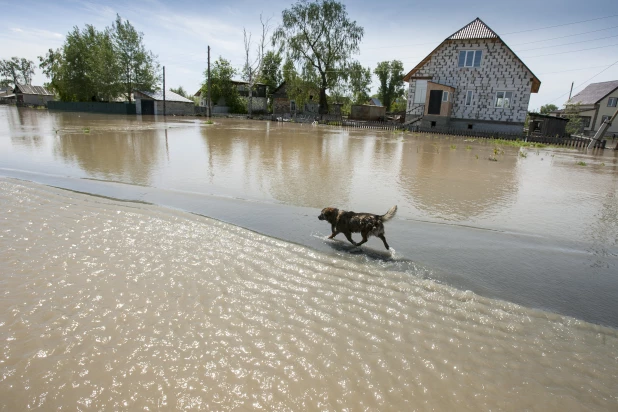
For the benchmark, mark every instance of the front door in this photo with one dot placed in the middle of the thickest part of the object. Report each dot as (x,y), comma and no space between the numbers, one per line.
(435,102)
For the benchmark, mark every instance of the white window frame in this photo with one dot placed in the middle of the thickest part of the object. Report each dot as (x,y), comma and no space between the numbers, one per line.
(418,98)
(445,96)
(611,100)
(503,100)
(465,62)
(471,94)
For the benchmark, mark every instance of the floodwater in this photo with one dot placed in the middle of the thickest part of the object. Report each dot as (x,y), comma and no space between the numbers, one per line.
(121,293)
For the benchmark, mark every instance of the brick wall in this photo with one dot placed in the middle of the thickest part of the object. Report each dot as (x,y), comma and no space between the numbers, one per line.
(499,71)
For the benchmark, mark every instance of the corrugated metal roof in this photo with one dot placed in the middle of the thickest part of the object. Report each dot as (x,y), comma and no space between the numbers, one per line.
(375,102)
(475,30)
(29,89)
(170,96)
(594,92)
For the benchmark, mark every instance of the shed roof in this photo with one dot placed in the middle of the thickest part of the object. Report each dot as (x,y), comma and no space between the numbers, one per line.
(170,96)
(375,102)
(29,89)
(594,92)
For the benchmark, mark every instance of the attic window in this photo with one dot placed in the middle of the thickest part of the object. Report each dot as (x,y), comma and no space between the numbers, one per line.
(470,58)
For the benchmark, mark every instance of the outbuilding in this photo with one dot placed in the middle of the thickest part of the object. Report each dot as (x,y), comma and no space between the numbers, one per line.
(28,95)
(147,102)
(545,125)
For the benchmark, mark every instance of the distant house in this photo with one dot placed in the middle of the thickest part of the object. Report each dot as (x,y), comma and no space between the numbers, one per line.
(283,105)
(26,94)
(6,95)
(259,101)
(472,80)
(598,101)
(374,102)
(147,102)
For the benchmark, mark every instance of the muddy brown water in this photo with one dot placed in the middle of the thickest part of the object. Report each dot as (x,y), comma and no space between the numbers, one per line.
(118,291)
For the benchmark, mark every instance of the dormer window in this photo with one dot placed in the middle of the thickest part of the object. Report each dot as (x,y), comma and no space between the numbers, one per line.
(470,58)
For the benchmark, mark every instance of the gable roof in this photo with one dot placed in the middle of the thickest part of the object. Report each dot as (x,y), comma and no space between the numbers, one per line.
(594,92)
(170,96)
(474,30)
(29,89)
(375,102)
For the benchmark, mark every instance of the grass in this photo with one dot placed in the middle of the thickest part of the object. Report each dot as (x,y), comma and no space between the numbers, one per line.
(453,146)
(468,147)
(209,122)
(86,130)
(515,143)
(493,159)
(523,154)
(581,163)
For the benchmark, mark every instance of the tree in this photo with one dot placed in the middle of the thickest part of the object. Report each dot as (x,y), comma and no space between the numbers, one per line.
(221,77)
(359,82)
(252,70)
(16,71)
(50,65)
(180,91)
(138,67)
(546,109)
(319,33)
(390,75)
(271,74)
(571,112)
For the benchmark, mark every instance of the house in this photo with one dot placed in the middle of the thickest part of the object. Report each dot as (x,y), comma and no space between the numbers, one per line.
(374,102)
(259,102)
(597,102)
(147,102)
(6,95)
(472,80)
(26,94)
(283,105)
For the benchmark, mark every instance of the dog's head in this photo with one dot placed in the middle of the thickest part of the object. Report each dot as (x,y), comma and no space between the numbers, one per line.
(329,214)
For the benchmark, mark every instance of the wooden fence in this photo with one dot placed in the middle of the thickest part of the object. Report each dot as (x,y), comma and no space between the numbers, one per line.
(361,124)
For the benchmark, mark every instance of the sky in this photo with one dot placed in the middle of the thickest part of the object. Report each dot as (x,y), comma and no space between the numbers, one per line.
(560,41)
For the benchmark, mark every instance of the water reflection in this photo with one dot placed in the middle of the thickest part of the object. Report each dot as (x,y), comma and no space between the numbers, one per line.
(28,126)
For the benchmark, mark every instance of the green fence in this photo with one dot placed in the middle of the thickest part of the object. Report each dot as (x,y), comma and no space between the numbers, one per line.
(93,107)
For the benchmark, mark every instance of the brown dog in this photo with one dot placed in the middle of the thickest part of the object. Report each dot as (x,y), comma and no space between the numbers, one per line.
(367,224)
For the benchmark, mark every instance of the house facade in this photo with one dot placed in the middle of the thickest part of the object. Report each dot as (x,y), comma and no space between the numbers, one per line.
(597,102)
(259,102)
(472,80)
(147,102)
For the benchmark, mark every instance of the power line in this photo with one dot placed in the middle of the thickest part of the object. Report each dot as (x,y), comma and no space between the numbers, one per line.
(571,51)
(562,37)
(580,85)
(568,44)
(572,70)
(560,25)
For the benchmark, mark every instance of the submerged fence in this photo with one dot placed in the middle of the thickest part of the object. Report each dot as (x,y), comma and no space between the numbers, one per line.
(93,107)
(361,124)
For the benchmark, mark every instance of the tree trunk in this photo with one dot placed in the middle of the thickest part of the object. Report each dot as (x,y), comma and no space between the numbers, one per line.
(323,102)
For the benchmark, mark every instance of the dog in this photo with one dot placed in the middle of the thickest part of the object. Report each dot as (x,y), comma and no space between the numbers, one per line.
(367,224)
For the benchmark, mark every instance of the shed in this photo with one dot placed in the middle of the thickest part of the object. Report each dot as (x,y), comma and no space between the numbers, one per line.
(546,125)
(26,94)
(148,102)
(367,112)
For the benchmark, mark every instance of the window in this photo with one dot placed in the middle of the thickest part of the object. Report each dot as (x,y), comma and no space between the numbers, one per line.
(586,121)
(469,95)
(503,99)
(612,102)
(470,58)
(445,96)
(470,126)
(420,92)
(292,106)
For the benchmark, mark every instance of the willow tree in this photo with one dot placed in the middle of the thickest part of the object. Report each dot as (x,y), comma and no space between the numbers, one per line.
(320,34)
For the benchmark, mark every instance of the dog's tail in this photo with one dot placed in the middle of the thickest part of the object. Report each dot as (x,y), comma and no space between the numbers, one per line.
(390,214)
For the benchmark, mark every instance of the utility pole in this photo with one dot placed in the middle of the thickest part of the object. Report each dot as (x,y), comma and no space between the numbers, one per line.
(163,90)
(602,129)
(572,83)
(208,113)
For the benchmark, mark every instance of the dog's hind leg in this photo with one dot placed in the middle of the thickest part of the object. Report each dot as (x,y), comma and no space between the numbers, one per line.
(384,240)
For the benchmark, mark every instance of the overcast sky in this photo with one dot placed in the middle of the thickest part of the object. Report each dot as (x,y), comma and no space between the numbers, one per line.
(178,32)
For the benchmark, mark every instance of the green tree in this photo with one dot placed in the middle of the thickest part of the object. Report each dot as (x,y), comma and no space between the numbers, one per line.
(181,92)
(51,65)
(390,75)
(271,74)
(572,112)
(359,83)
(321,34)
(546,109)
(16,71)
(139,69)
(301,87)
(221,77)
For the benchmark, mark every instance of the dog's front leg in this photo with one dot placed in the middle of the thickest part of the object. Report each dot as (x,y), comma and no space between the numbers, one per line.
(335,233)
(348,235)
